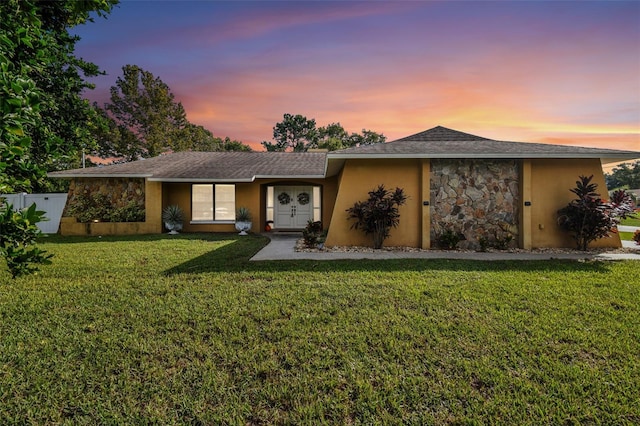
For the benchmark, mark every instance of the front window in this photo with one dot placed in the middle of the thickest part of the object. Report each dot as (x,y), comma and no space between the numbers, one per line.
(213,202)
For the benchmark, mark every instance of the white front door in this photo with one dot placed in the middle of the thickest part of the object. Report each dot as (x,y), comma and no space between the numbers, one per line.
(293,206)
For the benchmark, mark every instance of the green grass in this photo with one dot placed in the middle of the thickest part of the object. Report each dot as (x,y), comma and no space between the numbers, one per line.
(184,329)
(631,221)
(626,236)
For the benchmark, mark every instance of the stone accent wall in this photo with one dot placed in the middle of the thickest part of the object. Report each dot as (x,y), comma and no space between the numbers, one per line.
(475,198)
(120,191)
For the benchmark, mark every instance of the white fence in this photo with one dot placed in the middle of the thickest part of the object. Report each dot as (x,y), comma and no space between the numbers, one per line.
(52,204)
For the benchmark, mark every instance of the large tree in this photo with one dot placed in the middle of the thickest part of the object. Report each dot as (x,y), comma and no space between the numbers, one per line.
(333,137)
(298,133)
(144,120)
(42,117)
(43,79)
(294,132)
(625,175)
(146,113)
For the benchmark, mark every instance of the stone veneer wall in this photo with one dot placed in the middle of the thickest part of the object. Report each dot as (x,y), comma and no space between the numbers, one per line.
(121,191)
(475,198)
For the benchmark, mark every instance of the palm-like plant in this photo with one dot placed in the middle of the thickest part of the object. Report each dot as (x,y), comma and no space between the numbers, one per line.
(588,217)
(173,217)
(377,215)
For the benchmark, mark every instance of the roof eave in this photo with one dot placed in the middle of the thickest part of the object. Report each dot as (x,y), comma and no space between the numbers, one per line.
(608,156)
(97,175)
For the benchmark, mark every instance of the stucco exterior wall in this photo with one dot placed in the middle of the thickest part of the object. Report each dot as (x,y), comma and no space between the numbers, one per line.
(551,180)
(358,177)
(249,195)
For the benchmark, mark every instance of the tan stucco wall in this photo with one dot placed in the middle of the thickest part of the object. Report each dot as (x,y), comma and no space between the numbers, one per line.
(358,177)
(551,181)
(249,195)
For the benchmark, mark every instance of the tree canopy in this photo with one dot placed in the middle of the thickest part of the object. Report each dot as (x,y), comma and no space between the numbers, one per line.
(143,119)
(626,175)
(43,119)
(43,116)
(298,133)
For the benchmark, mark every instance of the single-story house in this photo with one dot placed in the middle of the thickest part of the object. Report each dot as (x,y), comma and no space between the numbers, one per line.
(475,186)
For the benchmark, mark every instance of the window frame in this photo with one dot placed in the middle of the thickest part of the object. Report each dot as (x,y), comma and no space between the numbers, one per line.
(213,205)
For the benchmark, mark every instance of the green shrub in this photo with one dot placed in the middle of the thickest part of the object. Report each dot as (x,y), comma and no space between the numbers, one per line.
(483,242)
(312,233)
(378,214)
(448,239)
(129,213)
(588,217)
(502,243)
(91,207)
(18,233)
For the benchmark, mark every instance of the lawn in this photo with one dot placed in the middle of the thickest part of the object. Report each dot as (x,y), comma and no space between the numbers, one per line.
(634,221)
(184,329)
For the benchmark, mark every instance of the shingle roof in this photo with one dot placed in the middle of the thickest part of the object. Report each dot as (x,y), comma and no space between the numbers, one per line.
(438,142)
(441,142)
(212,166)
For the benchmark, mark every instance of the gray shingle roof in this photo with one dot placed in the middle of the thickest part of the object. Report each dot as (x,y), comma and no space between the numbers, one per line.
(212,166)
(441,142)
(438,142)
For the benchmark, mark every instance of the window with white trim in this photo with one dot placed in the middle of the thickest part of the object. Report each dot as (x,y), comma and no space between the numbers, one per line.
(210,203)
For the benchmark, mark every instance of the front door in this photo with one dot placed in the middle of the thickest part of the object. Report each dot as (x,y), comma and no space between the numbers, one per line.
(293,206)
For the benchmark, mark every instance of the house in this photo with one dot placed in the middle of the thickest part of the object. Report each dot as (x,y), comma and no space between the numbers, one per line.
(475,186)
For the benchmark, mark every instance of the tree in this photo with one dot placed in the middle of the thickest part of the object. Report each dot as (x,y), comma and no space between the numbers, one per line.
(146,114)
(37,46)
(41,112)
(234,145)
(625,175)
(377,215)
(588,217)
(333,137)
(294,132)
(297,133)
(144,120)
(368,137)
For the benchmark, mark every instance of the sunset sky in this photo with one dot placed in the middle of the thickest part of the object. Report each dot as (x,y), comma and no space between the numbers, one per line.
(552,72)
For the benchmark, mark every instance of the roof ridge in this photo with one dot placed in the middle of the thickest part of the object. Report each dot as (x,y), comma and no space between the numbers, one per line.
(441,134)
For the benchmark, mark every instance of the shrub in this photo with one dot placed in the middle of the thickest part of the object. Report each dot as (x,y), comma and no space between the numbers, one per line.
(448,239)
(588,217)
(636,236)
(129,213)
(502,243)
(312,233)
(90,207)
(483,242)
(377,215)
(18,233)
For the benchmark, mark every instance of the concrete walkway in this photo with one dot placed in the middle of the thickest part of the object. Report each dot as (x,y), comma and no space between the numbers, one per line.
(282,247)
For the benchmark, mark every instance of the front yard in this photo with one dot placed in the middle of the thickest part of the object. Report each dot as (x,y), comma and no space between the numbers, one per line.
(184,329)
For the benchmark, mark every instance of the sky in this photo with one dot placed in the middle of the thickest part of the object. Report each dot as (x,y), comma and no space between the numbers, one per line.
(528,71)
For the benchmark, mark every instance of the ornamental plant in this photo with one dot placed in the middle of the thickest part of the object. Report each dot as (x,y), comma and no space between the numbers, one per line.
(18,233)
(377,215)
(588,217)
(312,233)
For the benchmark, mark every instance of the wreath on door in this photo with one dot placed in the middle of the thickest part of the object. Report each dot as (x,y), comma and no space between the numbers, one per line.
(284,198)
(303,198)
